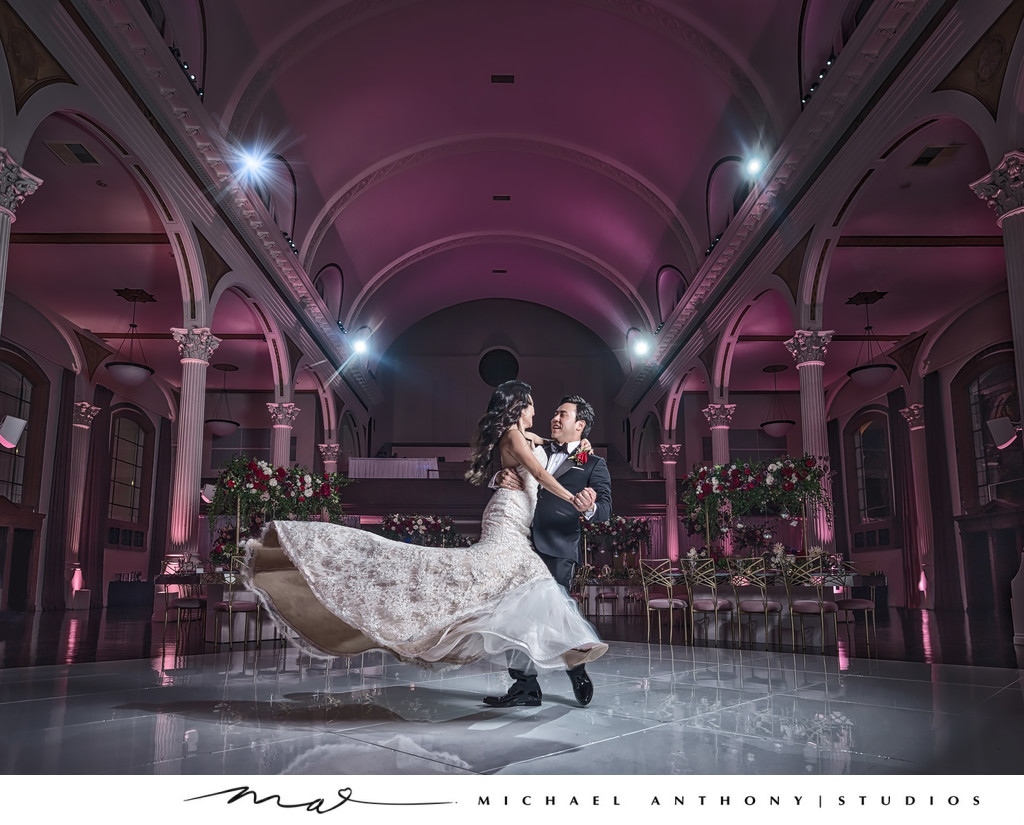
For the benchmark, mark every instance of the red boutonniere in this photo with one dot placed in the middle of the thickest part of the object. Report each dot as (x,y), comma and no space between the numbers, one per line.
(580,457)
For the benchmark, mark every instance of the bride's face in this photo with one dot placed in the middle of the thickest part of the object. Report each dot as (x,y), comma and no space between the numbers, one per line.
(526,416)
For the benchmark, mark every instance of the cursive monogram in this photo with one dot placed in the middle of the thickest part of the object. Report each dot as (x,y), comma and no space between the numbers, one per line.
(313,806)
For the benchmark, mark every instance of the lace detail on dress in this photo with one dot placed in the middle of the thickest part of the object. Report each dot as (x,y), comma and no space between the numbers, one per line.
(433,604)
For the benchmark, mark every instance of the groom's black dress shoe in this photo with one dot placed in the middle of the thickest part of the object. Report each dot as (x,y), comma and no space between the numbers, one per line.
(511,700)
(582,687)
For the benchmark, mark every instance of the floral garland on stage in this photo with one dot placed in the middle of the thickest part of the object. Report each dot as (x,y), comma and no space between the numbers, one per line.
(788,488)
(619,534)
(252,490)
(428,531)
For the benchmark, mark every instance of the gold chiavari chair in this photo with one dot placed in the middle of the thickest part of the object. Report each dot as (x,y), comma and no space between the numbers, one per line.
(809,583)
(659,586)
(750,580)
(702,585)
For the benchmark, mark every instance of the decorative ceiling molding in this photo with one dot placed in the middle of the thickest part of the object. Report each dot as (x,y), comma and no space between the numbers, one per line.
(791,267)
(906,354)
(93,351)
(214,266)
(980,74)
(31,65)
(659,202)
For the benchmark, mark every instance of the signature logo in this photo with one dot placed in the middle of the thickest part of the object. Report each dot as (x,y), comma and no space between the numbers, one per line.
(313,806)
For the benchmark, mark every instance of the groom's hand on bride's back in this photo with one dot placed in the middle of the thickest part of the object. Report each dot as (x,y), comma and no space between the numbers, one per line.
(509,479)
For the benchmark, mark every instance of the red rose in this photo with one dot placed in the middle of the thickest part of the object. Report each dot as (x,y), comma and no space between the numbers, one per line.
(583,458)
(229,483)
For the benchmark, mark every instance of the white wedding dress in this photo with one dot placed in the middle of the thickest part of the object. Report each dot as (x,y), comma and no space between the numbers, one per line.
(427,605)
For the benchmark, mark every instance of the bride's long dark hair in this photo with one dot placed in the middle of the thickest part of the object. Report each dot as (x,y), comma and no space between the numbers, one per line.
(507,402)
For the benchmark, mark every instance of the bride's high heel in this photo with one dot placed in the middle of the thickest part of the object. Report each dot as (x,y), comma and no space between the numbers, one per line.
(582,655)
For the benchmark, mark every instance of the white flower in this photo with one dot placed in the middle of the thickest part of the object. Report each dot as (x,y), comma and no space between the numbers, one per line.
(273,482)
(264,496)
(769,479)
(308,478)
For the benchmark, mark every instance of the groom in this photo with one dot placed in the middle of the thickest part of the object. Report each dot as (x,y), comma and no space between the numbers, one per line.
(556,531)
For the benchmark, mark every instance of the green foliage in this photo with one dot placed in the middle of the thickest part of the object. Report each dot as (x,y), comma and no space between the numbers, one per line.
(254,490)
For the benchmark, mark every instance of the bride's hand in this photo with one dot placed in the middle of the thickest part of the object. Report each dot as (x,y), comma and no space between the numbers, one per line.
(586,446)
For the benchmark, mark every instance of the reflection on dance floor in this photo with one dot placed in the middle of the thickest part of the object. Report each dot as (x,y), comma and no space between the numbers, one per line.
(657,710)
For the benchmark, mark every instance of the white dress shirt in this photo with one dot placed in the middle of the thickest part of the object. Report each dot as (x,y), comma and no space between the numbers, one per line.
(555,460)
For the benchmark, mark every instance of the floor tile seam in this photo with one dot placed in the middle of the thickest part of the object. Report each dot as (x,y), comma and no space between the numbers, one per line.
(942,681)
(575,748)
(418,757)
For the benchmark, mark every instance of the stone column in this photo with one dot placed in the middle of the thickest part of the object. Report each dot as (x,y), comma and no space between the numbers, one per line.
(669,458)
(914,415)
(719,416)
(83,416)
(15,185)
(282,416)
(808,348)
(329,453)
(195,346)
(1003,190)
(82,422)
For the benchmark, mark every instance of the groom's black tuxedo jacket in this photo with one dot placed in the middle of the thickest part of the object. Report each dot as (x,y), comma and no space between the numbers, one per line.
(556,523)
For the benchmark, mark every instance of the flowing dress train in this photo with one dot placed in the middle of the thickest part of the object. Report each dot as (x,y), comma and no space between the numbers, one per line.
(345,591)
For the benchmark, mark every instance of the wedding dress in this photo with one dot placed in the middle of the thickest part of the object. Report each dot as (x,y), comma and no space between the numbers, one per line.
(345,591)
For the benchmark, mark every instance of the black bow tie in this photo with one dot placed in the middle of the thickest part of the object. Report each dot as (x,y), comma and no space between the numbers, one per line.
(555,447)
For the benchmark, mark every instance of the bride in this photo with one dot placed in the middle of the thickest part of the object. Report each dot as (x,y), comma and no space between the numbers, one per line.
(344,591)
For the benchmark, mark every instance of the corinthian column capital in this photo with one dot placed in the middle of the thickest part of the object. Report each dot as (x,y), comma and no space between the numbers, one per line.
(914,414)
(719,416)
(808,346)
(15,184)
(283,415)
(1003,187)
(670,453)
(84,414)
(196,344)
(329,452)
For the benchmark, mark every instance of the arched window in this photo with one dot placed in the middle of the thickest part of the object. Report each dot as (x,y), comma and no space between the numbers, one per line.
(869,479)
(986,388)
(24,393)
(131,472)
(16,400)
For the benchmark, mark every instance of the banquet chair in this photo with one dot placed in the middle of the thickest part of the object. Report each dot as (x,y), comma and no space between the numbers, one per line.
(750,579)
(816,581)
(578,592)
(189,605)
(659,596)
(702,584)
(866,606)
(606,597)
(634,595)
(248,605)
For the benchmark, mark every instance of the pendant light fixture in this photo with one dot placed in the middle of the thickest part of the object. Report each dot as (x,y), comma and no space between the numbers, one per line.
(872,368)
(221,426)
(776,424)
(128,370)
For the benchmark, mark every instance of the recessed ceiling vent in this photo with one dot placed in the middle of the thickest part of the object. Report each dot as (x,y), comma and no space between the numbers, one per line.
(937,155)
(72,154)
(503,78)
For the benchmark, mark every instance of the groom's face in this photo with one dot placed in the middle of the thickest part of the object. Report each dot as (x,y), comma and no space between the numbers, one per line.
(565,427)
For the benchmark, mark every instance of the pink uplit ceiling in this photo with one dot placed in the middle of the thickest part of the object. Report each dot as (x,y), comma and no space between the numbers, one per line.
(601,149)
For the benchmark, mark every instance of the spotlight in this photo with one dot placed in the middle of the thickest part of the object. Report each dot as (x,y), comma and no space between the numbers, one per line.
(11,429)
(754,166)
(641,346)
(360,345)
(253,165)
